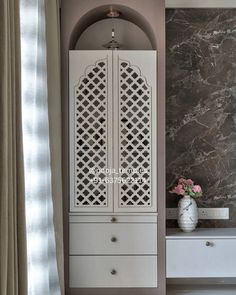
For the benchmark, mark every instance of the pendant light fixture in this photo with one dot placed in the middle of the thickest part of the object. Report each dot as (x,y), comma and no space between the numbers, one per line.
(113,44)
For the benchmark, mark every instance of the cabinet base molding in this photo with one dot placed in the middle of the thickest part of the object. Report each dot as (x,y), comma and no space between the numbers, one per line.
(200,290)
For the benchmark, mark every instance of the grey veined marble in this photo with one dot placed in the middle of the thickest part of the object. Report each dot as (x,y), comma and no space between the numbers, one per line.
(201,105)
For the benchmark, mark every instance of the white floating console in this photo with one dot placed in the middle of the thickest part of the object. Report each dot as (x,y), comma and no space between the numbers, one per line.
(204,253)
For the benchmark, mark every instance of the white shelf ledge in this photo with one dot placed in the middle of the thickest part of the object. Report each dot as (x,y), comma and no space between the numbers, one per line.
(213,233)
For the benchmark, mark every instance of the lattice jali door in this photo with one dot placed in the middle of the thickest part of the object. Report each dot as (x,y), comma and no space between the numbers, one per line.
(136,127)
(91,149)
(112,125)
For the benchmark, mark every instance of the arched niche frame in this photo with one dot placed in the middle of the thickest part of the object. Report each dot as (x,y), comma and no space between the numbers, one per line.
(149,15)
(99,13)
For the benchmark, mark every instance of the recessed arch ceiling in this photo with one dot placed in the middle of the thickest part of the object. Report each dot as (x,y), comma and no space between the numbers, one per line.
(100,13)
(129,35)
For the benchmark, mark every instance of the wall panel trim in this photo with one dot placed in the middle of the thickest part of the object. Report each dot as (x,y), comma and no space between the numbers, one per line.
(200,3)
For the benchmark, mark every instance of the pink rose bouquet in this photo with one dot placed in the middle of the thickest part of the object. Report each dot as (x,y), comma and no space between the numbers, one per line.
(186,187)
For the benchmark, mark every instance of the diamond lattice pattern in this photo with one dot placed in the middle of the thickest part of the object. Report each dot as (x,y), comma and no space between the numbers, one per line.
(91,136)
(135,137)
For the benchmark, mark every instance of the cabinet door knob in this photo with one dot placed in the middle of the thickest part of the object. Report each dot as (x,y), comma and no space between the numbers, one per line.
(114,239)
(113,272)
(209,244)
(113,219)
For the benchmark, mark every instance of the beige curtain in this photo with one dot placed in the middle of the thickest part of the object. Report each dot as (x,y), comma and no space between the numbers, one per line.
(54,108)
(13,262)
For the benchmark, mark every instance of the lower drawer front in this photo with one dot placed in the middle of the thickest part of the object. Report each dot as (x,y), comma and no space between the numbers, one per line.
(201,258)
(113,271)
(113,239)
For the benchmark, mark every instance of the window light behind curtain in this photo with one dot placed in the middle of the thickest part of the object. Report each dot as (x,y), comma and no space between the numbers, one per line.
(42,266)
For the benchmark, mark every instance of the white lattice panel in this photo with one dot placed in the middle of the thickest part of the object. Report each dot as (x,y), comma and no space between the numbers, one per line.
(113,125)
(90,150)
(136,128)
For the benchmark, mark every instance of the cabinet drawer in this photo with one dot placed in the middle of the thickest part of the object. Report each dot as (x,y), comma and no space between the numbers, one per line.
(113,271)
(198,258)
(113,239)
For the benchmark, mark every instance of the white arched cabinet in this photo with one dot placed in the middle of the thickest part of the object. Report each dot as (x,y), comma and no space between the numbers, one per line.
(113,146)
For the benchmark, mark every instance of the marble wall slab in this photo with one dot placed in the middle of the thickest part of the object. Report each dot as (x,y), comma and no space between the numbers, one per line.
(201,105)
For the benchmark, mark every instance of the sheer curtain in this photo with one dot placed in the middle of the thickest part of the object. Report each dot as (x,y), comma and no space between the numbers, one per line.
(43,278)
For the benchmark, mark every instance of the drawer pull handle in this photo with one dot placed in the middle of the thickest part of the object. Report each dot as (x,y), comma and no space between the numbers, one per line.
(113,219)
(114,239)
(209,244)
(113,272)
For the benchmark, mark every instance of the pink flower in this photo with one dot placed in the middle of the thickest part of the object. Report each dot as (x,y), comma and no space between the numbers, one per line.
(187,187)
(178,190)
(197,189)
(182,180)
(189,181)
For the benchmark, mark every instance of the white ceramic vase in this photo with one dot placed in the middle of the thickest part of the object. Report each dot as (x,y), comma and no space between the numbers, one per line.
(187,214)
